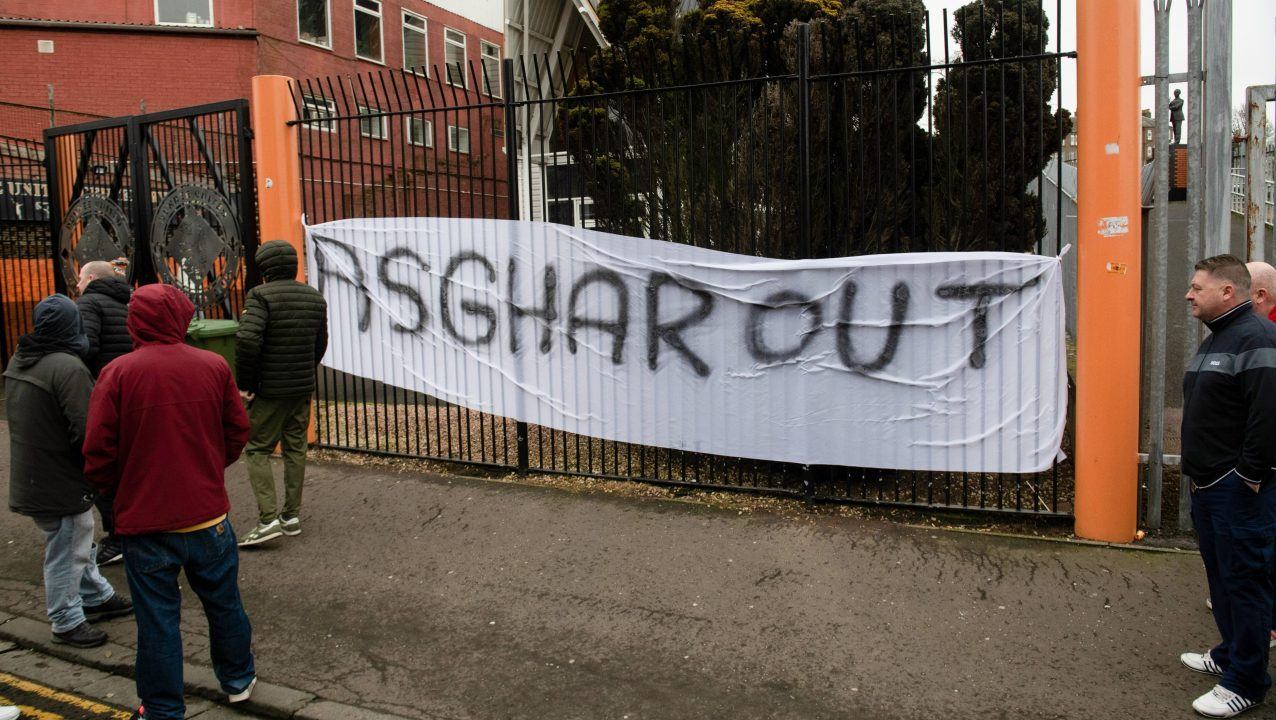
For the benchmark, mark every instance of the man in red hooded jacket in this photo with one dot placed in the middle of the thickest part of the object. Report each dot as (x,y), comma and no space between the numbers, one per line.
(164,422)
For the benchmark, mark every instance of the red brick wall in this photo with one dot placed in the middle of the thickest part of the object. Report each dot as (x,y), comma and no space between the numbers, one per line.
(282,54)
(98,73)
(226,13)
(110,73)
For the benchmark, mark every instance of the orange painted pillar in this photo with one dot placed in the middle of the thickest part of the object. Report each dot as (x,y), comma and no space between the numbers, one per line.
(276,152)
(278,159)
(1108,269)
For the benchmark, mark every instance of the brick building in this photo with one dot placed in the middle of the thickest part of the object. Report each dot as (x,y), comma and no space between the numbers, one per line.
(119,58)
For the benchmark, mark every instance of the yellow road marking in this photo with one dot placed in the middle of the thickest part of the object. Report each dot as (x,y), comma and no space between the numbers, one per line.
(67,699)
(30,712)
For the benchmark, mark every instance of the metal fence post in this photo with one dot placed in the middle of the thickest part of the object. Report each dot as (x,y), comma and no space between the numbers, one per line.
(1157,263)
(1196,192)
(804,181)
(143,270)
(511,168)
(53,180)
(1255,171)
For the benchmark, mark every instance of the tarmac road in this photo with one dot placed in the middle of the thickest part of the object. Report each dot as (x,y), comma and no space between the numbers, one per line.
(438,597)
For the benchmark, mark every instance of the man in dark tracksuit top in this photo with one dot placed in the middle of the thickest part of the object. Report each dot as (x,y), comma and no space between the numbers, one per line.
(1229,421)
(283,335)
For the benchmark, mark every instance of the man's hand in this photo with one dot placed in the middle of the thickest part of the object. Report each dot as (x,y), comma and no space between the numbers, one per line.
(246,396)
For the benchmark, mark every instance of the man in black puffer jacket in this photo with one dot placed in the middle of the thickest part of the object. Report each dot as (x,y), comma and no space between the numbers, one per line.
(103,305)
(283,335)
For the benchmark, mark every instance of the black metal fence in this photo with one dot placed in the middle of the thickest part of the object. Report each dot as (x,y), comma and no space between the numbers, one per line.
(26,241)
(172,192)
(837,138)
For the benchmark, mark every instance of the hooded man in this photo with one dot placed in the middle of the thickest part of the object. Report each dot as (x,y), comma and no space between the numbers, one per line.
(164,423)
(47,388)
(103,305)
(283,334)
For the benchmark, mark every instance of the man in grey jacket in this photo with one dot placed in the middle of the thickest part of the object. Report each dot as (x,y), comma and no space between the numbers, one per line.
(47,388)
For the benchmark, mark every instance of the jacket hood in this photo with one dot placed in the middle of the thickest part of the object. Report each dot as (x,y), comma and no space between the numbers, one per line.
(58,328)
(114,288)
(277,260)
(159,314)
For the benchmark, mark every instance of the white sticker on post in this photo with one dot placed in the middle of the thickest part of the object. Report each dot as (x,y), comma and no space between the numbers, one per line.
(1112,149)
(1112,226)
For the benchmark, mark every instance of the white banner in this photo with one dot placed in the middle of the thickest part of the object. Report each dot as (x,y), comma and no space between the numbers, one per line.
(923,361)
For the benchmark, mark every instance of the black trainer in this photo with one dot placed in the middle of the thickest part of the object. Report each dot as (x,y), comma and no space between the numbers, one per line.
(115,607)
(110,550)
(83,635)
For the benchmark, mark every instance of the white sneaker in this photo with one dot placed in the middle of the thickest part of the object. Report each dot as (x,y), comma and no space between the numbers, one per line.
(245,693)
(262,533)
(1221,703)
(291,525)
(1209,604)
(1201,663)
(9,712)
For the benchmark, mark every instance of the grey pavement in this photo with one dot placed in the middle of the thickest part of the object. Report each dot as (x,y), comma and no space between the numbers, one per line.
(447,597)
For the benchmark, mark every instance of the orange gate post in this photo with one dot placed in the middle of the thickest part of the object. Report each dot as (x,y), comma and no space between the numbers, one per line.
(277,155)
(276,152)
(1109,269)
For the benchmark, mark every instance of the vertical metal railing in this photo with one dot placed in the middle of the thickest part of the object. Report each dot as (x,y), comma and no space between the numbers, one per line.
(717,144)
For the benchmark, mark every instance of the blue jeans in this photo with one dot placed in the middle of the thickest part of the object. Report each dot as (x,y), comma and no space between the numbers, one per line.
(211,561)
(71,579)
(1236,530)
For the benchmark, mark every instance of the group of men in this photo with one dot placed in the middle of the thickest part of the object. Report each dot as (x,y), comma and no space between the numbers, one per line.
(1229,459)
(108,405)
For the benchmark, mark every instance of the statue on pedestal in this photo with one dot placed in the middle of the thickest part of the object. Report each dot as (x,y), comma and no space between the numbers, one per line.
(1176,116)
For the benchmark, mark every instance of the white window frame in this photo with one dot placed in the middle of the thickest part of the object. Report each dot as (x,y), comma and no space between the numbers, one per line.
(309,101)
(382,119)
(380,16)
(427,134)
(212,18)
(454,139)
(327,17)
(447,66)
(492,79)
(424,70)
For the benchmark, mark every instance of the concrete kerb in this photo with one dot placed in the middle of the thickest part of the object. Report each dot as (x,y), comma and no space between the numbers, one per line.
(1129,547)
(268,699)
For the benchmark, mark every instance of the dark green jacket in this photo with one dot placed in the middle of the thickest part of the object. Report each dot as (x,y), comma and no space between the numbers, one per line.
(283,332)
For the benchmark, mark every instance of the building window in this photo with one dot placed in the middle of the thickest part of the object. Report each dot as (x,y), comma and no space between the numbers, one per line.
(314,23)
(317,108)
(454,56)
(414,57)
(420,132)
(491,68)
(367,30)
(458,139)
(562,212)
(198,13)
(372,124)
